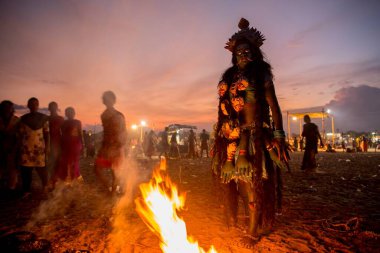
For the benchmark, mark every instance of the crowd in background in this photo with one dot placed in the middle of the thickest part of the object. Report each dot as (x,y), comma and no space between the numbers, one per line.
(50,145)
(53,145)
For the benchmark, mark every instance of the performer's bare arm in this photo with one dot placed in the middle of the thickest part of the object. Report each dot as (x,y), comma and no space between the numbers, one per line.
(278,143)
(270,96)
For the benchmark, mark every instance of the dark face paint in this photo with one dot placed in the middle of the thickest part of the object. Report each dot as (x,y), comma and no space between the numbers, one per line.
(243,55)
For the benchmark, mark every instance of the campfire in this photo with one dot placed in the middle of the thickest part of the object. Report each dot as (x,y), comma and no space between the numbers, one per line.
(158,208)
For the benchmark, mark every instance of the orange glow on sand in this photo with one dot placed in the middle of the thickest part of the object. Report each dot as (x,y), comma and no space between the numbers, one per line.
(158,208)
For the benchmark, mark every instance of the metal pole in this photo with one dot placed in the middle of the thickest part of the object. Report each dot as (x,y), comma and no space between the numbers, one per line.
(333,130)
(300,127)
(323,124)
(287,113)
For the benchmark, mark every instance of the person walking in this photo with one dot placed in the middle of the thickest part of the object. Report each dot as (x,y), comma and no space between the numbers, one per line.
(192,142)
(174,149)
(204,142)
(295,145)
(112,152)
(164,144)
(311,135)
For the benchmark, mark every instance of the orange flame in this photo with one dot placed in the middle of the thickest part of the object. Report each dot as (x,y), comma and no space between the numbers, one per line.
(158,208)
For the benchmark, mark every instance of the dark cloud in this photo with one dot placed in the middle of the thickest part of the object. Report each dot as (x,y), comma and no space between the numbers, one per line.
(22,109)
(356,108)
(339,74)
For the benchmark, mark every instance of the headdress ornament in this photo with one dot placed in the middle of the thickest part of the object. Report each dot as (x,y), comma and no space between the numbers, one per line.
(251,34)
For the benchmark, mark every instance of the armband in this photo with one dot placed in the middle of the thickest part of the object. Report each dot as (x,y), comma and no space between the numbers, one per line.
(242,152)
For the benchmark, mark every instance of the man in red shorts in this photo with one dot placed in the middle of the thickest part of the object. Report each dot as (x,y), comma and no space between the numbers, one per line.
(112,153)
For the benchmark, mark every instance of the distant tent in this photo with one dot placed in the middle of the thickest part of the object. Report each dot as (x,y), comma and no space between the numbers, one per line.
(314,113)
(178,126)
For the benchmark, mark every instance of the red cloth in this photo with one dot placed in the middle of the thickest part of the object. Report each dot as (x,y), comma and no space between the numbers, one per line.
(71,149)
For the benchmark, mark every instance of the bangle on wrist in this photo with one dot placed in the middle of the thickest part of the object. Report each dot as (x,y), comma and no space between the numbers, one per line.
(242,152)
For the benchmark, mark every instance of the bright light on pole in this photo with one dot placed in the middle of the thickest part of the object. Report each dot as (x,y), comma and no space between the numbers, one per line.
(294,118)
(328,111)
(134,126)
(142,125)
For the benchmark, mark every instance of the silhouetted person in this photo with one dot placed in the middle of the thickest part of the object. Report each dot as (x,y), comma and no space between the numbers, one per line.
(330,149)
(364,143)
(150,144)
(164,143)
(311,134)
(112,152)
(192,141)
(55,123)
(8,145)
(295,144)
(34,145)
(354,145)
(204,142)
(174,150)
(72,146)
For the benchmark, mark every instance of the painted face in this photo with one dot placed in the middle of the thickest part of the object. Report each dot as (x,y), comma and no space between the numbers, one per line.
(222,88)
(243,55)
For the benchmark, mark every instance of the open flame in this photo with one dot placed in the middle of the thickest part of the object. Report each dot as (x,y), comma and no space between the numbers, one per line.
(158,208)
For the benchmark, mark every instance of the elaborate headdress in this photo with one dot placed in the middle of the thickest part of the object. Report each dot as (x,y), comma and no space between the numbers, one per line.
(251,34)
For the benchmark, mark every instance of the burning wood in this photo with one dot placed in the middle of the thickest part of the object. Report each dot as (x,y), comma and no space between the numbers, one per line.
(158,208)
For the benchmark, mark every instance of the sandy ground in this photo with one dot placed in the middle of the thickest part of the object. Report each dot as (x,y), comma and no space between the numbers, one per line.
(344,191)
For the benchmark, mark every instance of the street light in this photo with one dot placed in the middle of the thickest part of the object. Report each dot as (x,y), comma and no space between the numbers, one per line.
(142,125)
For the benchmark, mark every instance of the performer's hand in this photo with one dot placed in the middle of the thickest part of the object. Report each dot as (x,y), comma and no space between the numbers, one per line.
(243,166)
(215,164)
(322,145)
(228,171)
(282,149)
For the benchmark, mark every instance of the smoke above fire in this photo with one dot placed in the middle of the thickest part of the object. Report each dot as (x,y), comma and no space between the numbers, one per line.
(83,209)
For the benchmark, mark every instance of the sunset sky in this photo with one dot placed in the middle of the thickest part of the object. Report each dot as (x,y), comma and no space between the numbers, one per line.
(163,59)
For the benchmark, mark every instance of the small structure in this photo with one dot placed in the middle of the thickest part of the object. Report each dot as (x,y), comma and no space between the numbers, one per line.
(313,115)
(183,132)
